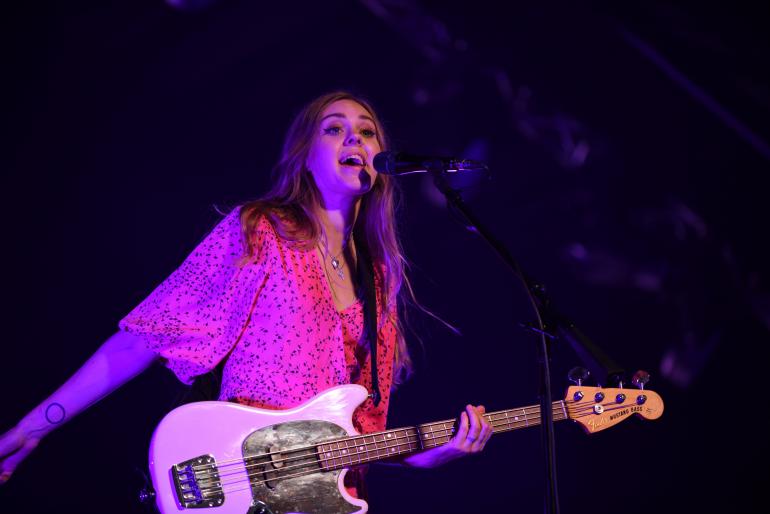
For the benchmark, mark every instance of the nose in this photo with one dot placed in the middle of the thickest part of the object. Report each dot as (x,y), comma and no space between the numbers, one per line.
(353,139)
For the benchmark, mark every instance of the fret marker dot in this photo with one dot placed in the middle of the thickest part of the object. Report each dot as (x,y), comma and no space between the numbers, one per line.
(390,435)
(516,418)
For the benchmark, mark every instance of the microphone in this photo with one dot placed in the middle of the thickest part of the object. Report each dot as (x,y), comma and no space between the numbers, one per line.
(401,163)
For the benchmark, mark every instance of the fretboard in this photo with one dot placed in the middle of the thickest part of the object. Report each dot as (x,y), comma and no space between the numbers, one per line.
(352,451)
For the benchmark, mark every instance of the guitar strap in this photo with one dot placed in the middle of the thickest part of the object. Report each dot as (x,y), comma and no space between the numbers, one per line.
(365,267)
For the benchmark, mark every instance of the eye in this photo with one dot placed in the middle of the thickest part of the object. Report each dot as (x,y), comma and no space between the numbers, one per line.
(333,130)
(367,132)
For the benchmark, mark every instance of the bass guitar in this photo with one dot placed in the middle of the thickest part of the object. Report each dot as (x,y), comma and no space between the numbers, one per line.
(234,459)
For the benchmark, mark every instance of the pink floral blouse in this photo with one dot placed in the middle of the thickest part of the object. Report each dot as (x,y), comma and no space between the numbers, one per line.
(275,317)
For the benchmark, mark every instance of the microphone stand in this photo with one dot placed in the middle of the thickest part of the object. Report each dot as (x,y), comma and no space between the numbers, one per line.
(549,323)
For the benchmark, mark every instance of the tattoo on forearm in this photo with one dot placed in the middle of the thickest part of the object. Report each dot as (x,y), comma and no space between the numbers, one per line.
(55,413)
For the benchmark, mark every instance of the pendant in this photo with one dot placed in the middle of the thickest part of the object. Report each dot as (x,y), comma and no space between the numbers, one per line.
(338,268)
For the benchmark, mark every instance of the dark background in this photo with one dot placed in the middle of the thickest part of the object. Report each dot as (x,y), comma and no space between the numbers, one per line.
(629,154)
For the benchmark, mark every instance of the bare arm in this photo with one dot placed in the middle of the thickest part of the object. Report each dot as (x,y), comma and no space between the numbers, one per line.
(118,360)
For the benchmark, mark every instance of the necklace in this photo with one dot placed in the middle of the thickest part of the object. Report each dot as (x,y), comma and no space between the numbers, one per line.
(338,264)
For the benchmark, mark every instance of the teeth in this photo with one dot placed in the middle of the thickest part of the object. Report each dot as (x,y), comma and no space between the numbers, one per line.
(353,159)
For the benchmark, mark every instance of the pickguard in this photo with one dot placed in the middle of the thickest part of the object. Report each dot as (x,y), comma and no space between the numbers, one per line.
(274,461)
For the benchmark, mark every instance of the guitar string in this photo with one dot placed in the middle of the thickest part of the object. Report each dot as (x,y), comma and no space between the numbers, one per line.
(439,440)
(208,492)
(311,471)
(442,439)
(313,452)
(359,439)
(557,408)
(410,437)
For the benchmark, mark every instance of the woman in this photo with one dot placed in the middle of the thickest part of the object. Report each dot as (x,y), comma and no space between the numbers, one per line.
(272,292)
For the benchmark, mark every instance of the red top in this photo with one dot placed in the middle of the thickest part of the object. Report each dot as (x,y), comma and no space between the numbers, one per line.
(273,314)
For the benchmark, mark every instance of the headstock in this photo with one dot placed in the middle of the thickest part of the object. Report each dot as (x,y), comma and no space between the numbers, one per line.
(597,408)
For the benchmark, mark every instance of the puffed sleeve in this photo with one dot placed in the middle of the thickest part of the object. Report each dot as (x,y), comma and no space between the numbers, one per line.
(196,316)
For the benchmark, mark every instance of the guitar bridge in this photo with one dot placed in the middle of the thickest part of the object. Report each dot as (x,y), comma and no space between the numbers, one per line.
(197,483)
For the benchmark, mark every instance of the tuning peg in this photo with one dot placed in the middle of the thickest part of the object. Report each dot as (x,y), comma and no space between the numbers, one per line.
(641,377)
(577,375)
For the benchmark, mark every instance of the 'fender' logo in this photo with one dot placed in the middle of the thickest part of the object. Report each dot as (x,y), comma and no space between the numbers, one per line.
(595,423)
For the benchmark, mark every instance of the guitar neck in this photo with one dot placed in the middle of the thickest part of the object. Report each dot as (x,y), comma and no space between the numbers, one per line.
(362,449)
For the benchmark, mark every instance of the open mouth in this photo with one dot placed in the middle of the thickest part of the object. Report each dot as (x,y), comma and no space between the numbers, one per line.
(353,160)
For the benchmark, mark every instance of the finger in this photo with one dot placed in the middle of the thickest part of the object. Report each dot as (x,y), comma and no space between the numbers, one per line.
(462,430)
(485,430)
(488,431)
(474,431)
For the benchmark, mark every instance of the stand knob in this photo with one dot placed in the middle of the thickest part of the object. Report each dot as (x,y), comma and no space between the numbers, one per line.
(640,379)
(577,374)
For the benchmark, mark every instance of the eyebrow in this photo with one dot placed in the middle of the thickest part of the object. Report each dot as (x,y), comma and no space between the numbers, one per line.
(340,115)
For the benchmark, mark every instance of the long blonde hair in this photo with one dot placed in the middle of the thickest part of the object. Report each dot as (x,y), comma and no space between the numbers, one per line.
(292,205)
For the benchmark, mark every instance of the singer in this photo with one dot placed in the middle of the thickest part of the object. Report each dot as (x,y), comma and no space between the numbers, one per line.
(276,296)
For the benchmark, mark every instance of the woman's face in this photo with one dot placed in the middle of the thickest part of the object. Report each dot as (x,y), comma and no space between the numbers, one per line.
(341,154)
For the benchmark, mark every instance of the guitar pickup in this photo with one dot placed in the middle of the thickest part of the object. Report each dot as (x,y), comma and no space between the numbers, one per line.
(197,483)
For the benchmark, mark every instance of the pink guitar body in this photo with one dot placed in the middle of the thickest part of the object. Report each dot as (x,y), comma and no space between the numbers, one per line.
(232,459)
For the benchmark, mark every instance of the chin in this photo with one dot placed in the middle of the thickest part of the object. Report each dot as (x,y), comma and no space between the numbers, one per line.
(357,184)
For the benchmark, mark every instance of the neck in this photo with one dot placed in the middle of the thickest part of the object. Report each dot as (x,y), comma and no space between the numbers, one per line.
(361,449)
(338,219)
